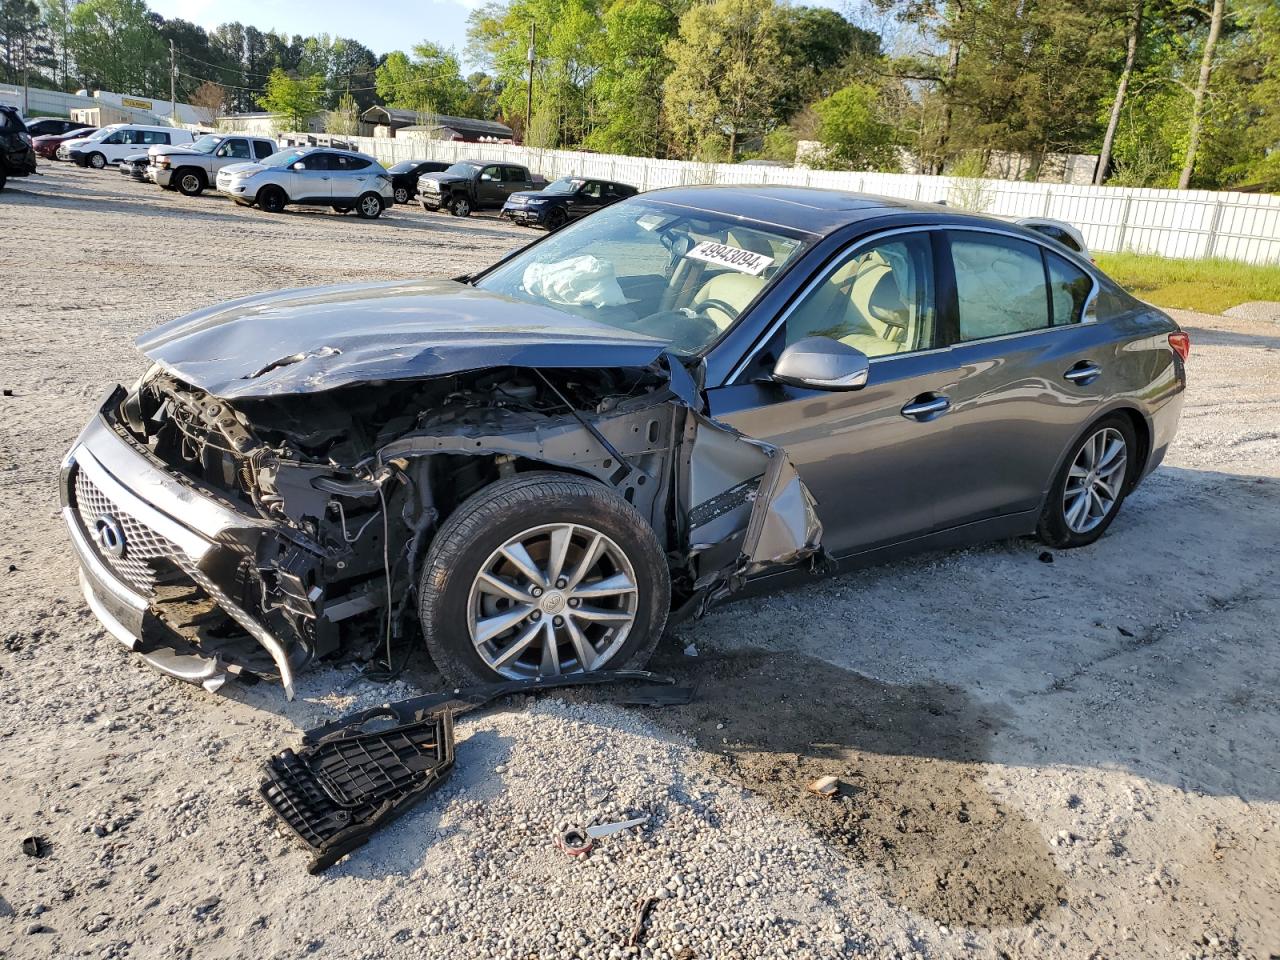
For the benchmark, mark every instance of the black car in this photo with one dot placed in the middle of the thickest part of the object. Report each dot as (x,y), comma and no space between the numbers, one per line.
(52,127)
(475,185)
(564,200)
(17,156)
(404,176)
(135,166)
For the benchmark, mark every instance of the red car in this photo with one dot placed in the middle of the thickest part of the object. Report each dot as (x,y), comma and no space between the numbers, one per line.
(47,146)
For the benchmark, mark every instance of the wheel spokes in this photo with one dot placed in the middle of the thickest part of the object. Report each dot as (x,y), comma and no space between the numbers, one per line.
(608,587)
(491,627)
(518,646)
(519,557)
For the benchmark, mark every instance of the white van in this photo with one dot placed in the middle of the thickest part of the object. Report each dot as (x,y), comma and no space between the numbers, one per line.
(112,144)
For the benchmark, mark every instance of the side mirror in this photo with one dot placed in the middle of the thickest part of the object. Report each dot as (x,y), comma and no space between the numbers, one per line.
(485,176)
(820,363)
(299,166)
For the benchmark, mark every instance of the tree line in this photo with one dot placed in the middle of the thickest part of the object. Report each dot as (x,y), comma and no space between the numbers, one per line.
(1167,92)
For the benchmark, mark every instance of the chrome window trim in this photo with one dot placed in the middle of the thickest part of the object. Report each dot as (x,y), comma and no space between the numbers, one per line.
(1088,314)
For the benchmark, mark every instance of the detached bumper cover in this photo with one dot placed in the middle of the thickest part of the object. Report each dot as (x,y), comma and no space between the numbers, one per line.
(121,514)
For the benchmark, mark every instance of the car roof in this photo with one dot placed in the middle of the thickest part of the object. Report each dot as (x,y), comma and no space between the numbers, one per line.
(349,153)
(809,210)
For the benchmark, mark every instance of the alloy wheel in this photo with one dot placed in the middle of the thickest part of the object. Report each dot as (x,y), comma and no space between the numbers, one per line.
(557,598)
(1094,480)
(190,183)
(402,195)
(370,206)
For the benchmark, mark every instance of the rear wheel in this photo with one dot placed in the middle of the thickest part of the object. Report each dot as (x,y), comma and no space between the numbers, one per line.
(402,195)
(190,182)
(539,575)
(97,160)
(1091,486)
(369,206)
(460,207)
(271,199)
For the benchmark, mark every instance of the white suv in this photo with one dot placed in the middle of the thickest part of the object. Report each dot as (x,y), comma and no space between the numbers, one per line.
(112,144)
(316,176)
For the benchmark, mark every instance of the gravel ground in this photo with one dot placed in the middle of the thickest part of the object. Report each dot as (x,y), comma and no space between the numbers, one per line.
(1075,759)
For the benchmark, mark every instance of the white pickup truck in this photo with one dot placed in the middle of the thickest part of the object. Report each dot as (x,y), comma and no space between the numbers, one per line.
(191,169)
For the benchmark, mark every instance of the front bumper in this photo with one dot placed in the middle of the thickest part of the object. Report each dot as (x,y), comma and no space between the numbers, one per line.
(161,175)
(121,512)
(529,216)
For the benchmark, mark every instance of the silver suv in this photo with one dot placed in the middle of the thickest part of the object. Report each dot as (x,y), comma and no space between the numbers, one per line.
(317,176)
(191,169)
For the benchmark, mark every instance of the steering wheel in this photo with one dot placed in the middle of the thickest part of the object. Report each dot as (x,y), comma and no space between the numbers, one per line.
(726,308)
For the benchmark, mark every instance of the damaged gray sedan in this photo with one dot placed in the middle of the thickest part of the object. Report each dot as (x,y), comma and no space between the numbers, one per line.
(535,467)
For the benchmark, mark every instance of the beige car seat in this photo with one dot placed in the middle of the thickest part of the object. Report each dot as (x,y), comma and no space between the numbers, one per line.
(734,289)
(860,305)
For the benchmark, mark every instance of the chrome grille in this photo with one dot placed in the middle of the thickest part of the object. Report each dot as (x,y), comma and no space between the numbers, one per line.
(142,546)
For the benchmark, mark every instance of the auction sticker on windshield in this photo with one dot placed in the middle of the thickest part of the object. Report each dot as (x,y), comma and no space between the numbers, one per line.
(733,257)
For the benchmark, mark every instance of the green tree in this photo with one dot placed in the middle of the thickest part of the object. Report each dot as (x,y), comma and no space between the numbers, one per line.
(852,130)
(116,46)
(483,93)
(429,81)
(728,73)
(25,49)
(295,99)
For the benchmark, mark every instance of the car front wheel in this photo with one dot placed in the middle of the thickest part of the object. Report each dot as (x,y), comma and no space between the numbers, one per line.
(461,207)
(1091,486)
(402,195)
(190,183)
(271,199)
(97,161)
(539,575)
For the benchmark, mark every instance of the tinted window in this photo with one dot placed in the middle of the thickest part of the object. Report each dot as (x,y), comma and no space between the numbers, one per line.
(877,299)
(1069,288)
(1000,286)
(9,121)
(591,189)
(263,148)
(344,162)
(1057,233)
(153,137)
(318,161)
(517,174)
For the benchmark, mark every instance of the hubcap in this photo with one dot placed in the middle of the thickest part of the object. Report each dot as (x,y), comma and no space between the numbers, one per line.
(559,598)
(189,182)
(1093,482)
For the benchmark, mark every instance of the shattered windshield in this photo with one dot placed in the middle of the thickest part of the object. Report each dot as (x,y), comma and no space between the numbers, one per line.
(463,169)
(683,276)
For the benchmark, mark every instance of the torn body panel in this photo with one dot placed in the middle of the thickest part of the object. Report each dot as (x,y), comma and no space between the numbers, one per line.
(325,503)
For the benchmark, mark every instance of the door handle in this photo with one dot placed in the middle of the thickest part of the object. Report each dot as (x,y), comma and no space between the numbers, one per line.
(1083,373)
(926,407)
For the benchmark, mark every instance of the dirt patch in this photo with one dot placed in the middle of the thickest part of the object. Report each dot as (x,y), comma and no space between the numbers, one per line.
(913,802)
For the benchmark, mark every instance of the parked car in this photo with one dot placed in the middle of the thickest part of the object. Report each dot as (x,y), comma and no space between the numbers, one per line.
(564,200)
(51,126)
(539,461)
(135,166)
(48,145)
(113,143)
(315,176)
(404,176)
(192,169)
(474,185)
(1065,233)
(17,158)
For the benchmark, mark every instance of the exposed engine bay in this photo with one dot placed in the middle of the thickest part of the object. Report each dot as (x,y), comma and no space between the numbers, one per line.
(346,487)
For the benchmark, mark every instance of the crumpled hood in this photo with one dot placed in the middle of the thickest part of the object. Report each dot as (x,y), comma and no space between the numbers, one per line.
(315,339)
(441,177)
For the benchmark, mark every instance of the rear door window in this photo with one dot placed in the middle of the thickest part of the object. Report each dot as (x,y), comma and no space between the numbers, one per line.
(1000,285)
(263,148)
(1069,289)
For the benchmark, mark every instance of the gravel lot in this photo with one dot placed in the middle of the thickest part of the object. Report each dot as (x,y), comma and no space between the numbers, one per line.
(1075,759)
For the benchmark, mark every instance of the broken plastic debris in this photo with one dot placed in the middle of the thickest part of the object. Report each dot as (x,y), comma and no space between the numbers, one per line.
(825,787)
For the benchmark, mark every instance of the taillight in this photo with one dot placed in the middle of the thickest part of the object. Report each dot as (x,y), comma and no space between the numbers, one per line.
(1181,344)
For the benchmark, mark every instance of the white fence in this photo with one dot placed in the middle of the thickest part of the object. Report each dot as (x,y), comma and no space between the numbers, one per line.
(1194,224)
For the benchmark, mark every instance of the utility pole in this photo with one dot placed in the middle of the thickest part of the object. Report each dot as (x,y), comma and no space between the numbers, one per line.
(173,84)
(528,108)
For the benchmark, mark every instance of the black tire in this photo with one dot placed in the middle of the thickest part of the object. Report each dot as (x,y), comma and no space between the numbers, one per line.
(190,181)
(96,160)
(369,206)
(341,209)
(272,199)
(460,207)
(556,219)
(402,195)
(1053,529)
(504,510)
(3,180)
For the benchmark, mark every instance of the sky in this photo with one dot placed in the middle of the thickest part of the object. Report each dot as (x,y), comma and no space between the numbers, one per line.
(381,25)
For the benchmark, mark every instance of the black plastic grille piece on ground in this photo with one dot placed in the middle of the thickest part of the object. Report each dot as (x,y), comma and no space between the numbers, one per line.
(335,792)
